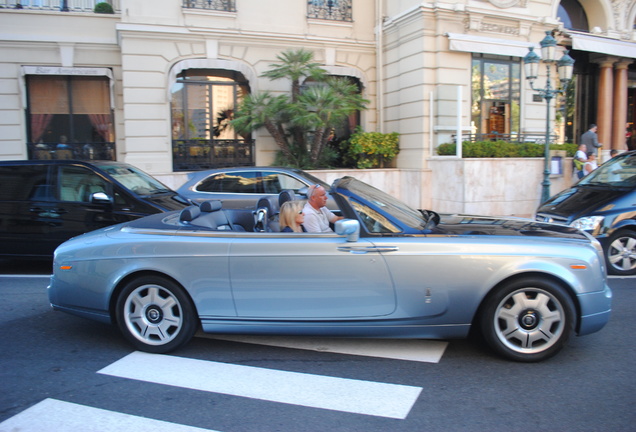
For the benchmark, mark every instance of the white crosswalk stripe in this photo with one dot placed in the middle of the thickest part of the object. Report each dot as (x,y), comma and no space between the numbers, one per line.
(427,351)
(317,391)
(302,389)
(59,416)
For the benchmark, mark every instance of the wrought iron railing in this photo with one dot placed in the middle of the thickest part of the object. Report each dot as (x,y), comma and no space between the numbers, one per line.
(537,138)
(217,5)
(79,151)
(336,10)
(58,5)
(198,154)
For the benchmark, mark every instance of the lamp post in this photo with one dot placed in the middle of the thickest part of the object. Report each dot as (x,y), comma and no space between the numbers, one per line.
(565,67)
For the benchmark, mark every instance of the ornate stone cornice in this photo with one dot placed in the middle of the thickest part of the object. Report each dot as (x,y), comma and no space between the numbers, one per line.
(504,4)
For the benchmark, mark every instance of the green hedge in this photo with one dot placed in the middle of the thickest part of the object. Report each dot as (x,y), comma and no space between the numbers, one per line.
(502,149)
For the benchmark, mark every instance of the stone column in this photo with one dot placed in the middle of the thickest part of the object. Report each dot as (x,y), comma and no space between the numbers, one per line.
(619,117)
(604,106)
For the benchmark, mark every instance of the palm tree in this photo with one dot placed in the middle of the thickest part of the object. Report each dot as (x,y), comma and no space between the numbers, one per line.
(309,113)
(294,66)
(324,106)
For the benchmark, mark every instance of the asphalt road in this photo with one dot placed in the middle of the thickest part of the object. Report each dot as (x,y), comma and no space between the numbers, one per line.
(60,372)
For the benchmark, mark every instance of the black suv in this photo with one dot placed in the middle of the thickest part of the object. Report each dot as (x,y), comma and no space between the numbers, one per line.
(604,204)
(44,203)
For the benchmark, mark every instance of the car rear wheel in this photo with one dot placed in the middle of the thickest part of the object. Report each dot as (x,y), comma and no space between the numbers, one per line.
(621,253)
(528,320)
(155,314)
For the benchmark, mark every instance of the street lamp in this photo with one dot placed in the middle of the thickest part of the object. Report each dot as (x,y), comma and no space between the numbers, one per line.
(565,67)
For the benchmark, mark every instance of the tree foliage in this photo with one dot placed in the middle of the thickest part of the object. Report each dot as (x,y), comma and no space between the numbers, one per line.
(300,122)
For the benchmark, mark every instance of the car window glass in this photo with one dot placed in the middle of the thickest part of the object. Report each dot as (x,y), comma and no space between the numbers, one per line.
(134,179)
(270,182)
(280,182)
(231,182)
(25,183)
(77,184)
(618,171)
(373,221)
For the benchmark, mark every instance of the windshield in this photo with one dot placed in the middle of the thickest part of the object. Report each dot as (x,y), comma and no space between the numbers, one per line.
(619,171)
(313,180)
(387,203)
(134,179)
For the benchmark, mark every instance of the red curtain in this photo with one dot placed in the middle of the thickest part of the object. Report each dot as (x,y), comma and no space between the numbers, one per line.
(39,122)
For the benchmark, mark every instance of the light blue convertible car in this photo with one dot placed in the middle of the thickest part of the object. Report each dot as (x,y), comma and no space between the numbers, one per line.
(388,271)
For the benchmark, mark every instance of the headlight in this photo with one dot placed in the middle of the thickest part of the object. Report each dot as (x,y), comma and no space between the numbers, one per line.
(590,223)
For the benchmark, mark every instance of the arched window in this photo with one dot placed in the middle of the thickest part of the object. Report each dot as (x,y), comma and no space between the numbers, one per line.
(573,16)
(202,106)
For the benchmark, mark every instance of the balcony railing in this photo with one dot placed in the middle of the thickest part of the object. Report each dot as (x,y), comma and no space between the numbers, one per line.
(198,154)
(217,5)
(537,138)
(57,5)
(80,151)
(335,10)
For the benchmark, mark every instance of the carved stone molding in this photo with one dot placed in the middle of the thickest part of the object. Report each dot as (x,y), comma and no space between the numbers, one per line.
(504,4)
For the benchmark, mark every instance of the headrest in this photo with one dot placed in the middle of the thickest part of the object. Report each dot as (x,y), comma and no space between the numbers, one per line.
(269,203)
(211,206)
(286,195)
(188,214)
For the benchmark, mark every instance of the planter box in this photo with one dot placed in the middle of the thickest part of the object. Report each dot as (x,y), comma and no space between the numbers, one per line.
(506,187)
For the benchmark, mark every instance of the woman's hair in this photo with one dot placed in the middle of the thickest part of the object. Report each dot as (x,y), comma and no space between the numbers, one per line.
(288,212)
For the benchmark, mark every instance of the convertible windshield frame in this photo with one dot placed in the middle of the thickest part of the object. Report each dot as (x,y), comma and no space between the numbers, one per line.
(382,201)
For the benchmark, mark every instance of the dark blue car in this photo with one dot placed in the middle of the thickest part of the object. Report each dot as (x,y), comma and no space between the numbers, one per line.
(604,204)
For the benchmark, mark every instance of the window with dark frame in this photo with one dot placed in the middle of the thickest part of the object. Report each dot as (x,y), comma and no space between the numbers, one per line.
(69,117)
(495,110)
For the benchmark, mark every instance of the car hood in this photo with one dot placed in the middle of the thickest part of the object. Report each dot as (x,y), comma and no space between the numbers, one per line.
(487,226)
(572,203)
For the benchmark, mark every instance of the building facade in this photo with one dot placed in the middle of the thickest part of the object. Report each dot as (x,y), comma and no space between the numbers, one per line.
(154,83)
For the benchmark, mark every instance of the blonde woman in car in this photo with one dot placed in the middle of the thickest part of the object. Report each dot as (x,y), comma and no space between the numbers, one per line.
(291,217)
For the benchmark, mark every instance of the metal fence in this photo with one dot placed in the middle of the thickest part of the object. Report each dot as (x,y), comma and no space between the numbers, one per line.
(217,5)
(58,5)
(80,151)
(336,10)
(537,138)
(197,154)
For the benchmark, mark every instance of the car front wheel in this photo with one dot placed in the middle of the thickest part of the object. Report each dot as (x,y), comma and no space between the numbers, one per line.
(621,253)
(155,314)
(528,320)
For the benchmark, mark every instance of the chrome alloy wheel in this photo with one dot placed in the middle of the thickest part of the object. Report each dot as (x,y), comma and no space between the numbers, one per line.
(153,314)
(621,253)
(529,320)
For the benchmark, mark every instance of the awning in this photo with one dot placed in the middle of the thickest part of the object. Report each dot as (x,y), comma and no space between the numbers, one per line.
(603,45)
(486,45)
(74,71)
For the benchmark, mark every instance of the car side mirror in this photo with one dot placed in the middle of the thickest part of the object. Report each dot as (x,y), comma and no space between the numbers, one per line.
(349,228)
(100,198)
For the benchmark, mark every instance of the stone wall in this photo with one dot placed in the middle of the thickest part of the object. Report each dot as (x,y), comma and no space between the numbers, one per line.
(492,187)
